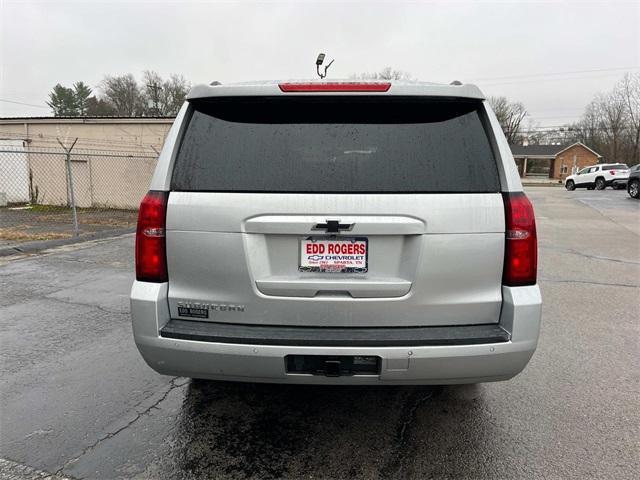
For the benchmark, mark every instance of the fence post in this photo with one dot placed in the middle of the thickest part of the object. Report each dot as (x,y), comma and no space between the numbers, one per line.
(70,181)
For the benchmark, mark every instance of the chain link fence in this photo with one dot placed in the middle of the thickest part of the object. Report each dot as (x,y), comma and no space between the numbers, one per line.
(49,193)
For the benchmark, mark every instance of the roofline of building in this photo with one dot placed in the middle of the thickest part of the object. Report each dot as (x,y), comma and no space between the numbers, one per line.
(524,155)
(554,155)
(582,145)
(87,120)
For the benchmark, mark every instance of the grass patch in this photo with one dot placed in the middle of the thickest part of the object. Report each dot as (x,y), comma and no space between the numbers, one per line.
(49,209)
(22,236)
(42,208)
(112,222)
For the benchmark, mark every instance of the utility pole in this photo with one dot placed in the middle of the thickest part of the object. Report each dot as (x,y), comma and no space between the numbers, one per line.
(70,183)
(155,99)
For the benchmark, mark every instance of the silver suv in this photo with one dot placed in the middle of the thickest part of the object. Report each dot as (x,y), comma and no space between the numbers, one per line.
(336,233)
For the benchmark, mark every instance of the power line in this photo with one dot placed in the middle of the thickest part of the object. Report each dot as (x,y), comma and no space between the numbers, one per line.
(22,103)
(529,75)
(544,80)
(576,116)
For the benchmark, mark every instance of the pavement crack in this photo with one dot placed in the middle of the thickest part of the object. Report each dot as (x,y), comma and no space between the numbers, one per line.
(608,217)
(410,416)
(91,305)
(593,257)
(398,455)
(173,384)
(587,282)
(600,257)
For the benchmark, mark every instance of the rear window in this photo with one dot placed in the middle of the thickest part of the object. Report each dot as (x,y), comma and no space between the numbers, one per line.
(617,166)
(335,145)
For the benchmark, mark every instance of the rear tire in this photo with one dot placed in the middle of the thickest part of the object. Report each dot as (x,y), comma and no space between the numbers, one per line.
(634,189)
(600,185)
(570,185)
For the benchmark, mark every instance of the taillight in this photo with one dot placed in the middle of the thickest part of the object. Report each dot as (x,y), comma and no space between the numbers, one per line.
(521,242)
(613,172)
(335,87)
(151,255)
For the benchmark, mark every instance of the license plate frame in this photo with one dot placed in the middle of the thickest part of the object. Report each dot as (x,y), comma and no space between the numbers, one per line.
(354,266)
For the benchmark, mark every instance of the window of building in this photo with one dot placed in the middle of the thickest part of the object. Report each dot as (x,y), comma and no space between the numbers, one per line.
(563,169)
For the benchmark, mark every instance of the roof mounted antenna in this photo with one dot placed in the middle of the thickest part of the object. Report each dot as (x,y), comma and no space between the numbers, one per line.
(320,61)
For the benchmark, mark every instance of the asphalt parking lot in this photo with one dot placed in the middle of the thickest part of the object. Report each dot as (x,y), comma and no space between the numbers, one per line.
(78,400)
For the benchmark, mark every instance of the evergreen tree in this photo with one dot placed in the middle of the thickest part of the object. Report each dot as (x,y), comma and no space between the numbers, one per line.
(62,101)
(81,93)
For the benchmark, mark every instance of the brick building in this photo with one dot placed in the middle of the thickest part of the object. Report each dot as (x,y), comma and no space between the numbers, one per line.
(553,161)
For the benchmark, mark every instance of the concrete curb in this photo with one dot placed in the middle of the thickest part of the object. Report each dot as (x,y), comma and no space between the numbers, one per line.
(541,184)
(33,247)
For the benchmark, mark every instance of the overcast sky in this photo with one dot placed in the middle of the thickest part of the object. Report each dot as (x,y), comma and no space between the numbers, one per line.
(517,49)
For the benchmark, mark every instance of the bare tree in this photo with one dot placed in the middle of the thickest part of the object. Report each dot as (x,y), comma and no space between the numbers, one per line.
(591,128)
(610,124)
(387,73)
(629,89)
(164,97)
(97,107)
(152,92)
(174,93)
(510,116)
(123,95)
(611,111)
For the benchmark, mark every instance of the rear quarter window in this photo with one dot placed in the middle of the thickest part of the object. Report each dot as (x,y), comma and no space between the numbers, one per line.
(335,145)
(619,166)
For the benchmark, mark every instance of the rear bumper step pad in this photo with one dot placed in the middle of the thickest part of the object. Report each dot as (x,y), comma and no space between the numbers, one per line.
(333,337)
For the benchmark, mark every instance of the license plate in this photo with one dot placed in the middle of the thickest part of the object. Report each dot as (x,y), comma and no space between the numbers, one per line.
(334,255)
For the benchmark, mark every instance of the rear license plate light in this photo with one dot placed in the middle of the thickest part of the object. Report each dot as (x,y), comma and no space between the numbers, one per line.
(333,365)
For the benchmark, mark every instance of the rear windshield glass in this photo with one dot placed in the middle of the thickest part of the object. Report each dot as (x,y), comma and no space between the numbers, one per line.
(335,145)
(617,166)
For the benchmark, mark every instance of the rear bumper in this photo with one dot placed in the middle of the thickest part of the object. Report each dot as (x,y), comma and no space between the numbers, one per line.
(498,359)
(619,181)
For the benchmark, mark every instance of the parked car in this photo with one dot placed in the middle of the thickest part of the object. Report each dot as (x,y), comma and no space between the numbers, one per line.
(621,183)
(620,179)
(336,233)
(597,177)
(633,184)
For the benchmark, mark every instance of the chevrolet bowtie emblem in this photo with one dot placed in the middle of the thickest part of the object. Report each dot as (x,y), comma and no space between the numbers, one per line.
(333,226)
